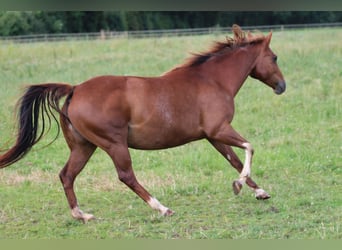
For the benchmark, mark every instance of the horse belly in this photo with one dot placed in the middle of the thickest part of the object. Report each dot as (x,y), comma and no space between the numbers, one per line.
(161,137)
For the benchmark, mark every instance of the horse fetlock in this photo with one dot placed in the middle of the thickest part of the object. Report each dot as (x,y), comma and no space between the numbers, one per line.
(80,215)
(155,204)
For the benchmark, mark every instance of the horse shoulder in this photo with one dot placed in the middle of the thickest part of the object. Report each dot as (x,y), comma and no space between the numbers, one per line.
(217,107)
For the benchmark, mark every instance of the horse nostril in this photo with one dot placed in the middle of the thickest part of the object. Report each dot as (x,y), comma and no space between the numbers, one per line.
(280,88)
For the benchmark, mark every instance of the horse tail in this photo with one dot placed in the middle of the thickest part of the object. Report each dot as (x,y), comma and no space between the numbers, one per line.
(36,104)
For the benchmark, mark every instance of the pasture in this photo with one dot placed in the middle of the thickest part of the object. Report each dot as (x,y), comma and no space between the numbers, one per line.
(297,139)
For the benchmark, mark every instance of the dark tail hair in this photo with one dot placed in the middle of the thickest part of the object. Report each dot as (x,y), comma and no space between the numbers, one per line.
(36,103)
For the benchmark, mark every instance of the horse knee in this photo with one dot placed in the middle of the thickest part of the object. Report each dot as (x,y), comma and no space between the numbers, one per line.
(248,147)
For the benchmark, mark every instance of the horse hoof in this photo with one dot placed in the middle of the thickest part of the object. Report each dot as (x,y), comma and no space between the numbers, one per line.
(87,217)
(237,186)
(168,212)
(261,194)
(78,214)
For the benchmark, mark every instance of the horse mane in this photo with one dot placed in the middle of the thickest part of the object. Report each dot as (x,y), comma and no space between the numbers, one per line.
(239,40)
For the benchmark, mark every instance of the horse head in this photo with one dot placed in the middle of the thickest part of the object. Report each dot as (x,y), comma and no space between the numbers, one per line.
(266,68)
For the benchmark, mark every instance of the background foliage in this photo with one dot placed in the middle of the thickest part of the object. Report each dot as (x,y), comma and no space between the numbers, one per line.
(38,22)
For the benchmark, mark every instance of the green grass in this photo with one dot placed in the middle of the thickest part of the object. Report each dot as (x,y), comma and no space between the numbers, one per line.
(297,138)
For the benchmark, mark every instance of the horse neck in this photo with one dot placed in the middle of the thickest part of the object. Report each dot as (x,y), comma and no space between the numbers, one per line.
(231,72)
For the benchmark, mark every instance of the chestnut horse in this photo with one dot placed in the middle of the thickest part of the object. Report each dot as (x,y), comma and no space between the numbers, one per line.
(190,102)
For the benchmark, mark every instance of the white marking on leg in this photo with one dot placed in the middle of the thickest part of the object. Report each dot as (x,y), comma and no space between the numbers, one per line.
(80,215)
(76,213)
(259,191)
(155,204)
(228,157)
(246,171)
(261,194)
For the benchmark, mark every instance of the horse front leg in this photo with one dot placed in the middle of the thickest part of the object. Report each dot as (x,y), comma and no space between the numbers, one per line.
(222,140)
(228,153)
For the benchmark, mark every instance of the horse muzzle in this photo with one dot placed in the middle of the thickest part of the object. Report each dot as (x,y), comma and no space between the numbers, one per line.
(280,88)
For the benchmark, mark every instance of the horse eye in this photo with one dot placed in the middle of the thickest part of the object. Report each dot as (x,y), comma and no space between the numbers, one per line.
(275,58)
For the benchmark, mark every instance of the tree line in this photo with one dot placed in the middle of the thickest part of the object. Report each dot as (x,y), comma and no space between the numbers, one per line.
(41,22)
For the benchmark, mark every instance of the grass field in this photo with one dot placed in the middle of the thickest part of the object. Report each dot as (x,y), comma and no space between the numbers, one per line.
(297,139)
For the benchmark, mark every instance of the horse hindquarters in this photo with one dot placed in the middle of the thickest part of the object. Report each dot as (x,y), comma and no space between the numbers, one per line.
(107,128)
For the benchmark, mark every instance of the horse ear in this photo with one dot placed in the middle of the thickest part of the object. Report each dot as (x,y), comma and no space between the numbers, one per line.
(239,35)
(268,38)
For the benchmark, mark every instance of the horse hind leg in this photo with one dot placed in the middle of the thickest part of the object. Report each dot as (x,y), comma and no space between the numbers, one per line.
(120,155)
(80,152)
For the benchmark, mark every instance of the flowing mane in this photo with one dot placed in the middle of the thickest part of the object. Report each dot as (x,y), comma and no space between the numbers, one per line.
(240,39)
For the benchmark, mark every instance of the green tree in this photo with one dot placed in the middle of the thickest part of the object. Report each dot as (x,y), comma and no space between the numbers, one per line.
(35,22)
(13,23)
